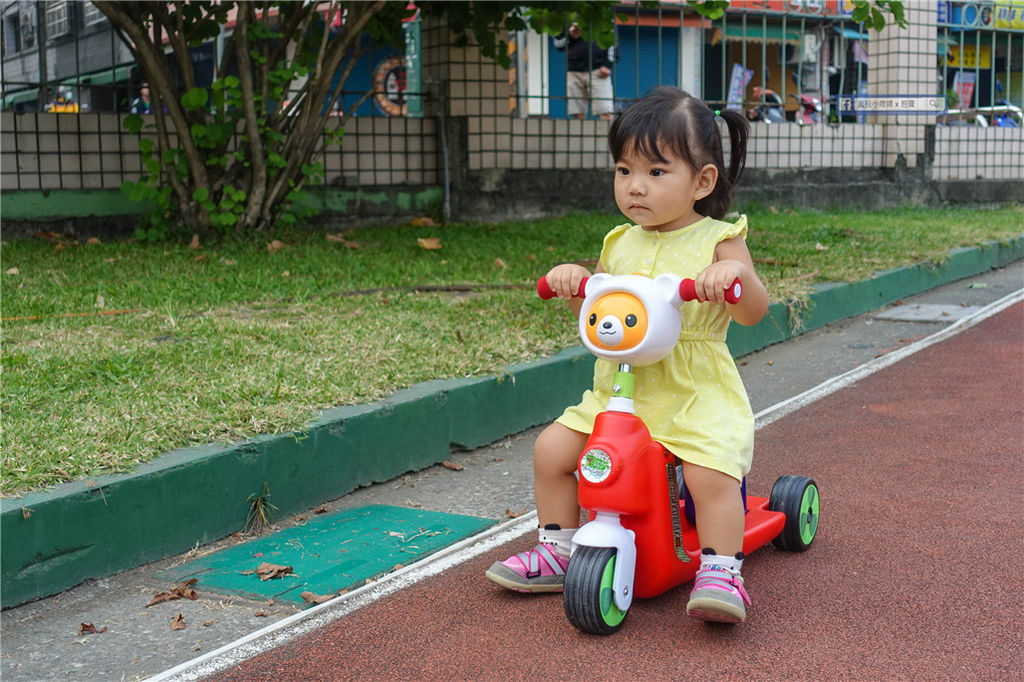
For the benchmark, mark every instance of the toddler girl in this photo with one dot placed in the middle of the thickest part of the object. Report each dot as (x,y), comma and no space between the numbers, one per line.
(672,183)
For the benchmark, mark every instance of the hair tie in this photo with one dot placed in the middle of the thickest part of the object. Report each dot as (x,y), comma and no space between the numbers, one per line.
(717,113)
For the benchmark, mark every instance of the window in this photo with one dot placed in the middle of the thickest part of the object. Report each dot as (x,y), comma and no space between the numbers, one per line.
(28,26)
(91,15)
(12,34)
(58,19)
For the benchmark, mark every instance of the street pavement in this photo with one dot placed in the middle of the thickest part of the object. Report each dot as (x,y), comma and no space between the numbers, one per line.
(899,514)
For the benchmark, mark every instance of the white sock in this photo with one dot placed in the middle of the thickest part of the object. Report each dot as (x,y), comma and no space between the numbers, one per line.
(561,538)
(730,563)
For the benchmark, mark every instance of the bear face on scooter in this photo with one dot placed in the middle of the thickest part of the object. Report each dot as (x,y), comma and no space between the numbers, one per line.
(631,319)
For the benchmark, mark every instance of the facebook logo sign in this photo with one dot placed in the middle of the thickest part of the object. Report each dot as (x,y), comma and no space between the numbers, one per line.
(891,104)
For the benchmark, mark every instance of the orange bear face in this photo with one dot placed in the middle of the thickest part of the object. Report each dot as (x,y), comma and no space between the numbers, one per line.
(617,321)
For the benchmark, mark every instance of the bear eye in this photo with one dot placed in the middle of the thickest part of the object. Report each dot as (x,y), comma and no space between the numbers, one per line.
(593,319)
(630,320)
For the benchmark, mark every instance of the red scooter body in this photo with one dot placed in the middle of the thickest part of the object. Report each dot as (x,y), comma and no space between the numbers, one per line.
(638,542)
(637,487)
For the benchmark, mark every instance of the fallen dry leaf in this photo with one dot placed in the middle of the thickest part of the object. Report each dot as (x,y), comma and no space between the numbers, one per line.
(500,264)
(322,509)
(194,244)
(268,571)
(209,623)
(89,629)
(178,623)
(182,591)
(286,273)
(513,515)
(429,243)
(454,466)
(422,222)
(312,598)
(261,614)
(12,271)
(92,241)
(820,247)
(275,246)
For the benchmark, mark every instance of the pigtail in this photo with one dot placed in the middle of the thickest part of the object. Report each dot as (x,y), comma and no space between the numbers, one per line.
(739,133)
(718,202)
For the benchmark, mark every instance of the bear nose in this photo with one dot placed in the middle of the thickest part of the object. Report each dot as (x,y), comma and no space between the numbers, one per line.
(607,325)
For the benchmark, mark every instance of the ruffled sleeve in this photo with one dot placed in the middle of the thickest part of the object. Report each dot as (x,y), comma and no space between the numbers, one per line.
(610,240)
(730,230)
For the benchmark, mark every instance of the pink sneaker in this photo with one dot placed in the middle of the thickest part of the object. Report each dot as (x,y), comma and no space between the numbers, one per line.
(718,595)
(541,569)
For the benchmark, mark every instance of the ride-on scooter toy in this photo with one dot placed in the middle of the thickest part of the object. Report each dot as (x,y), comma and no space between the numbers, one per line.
(641,540)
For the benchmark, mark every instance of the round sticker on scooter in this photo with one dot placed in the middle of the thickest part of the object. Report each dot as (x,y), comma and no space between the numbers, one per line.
(595,465)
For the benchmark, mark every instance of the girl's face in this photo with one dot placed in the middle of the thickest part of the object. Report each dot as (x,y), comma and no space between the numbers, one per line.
(660,196)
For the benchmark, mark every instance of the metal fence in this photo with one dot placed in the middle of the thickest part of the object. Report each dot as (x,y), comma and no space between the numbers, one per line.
(783,63)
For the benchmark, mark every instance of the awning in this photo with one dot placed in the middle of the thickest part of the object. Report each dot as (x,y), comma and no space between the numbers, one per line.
(20,96)
(102,77)
(850,33)
(756,32)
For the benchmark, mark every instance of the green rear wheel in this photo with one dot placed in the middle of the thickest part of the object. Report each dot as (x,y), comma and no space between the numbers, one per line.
(797,498)
(588,595)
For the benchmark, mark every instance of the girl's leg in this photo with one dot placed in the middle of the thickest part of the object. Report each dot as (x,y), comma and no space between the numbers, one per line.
(542,569)
(718,508)
(555,455)
(718,592)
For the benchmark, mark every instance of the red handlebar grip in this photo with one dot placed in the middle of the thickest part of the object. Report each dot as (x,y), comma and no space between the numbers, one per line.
(543,290)
(546,293)
(732,294)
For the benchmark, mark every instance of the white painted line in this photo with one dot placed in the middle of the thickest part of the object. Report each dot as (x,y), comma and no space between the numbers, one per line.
(829,386)
(317,616)
(298,624)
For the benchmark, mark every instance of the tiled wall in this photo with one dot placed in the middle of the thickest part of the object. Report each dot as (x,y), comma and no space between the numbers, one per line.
(972,153)
(42,151)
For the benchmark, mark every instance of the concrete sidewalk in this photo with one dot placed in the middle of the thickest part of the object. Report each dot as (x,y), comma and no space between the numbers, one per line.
(40,639)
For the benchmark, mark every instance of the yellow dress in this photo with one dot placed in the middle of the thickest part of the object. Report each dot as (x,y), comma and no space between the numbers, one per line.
(693,401)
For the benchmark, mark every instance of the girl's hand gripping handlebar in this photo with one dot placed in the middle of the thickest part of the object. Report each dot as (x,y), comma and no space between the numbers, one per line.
(686,290)
(546,293)
(732,294)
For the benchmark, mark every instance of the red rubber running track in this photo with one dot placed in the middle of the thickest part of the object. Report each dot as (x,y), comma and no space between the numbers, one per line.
(915,573)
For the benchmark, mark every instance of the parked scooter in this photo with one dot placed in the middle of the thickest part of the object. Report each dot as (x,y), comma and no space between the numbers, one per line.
(810,109)
(770,108)
(810,106)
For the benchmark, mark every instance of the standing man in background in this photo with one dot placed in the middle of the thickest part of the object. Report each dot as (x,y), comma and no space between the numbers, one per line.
(589,75)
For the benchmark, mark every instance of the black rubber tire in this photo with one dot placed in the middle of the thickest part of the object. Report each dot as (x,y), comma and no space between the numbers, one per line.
(797,498)
(587,596)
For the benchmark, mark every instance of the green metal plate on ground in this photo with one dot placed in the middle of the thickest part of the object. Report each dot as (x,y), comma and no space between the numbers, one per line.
(328,553)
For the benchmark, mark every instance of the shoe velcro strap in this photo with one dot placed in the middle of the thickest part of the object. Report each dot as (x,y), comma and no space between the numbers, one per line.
(531,560)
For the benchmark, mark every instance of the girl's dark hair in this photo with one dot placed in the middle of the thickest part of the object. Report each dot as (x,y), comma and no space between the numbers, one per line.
(671,119)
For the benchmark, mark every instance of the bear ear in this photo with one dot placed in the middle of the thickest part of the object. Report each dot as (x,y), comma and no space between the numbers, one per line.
(594,280)
(668,288)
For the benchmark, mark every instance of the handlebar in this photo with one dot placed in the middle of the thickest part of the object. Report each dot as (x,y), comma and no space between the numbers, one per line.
(686,290)
(546,293)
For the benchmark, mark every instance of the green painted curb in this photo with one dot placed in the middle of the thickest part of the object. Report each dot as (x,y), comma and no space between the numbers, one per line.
(65,203)
(60,203)
(53,540)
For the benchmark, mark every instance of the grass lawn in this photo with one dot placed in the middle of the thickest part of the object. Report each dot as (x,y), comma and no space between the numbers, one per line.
(116,352)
